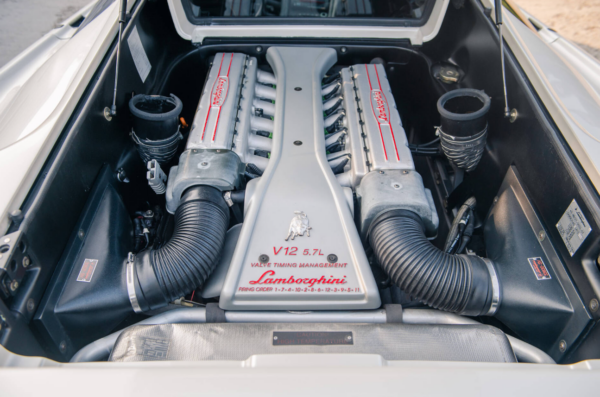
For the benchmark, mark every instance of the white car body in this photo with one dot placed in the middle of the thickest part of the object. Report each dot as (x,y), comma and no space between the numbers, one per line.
(40,90)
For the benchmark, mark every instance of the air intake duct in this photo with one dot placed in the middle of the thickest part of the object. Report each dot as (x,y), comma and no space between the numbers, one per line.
(159,276)
(463,284)
(156,126)
(463,133)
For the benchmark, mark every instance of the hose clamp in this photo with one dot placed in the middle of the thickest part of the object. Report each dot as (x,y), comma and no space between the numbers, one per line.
(131,285)
(495,287)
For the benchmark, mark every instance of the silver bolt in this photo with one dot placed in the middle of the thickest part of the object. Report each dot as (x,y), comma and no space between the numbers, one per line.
(7,240)
(405,172)
(562,346)
(274,338)
(541,235)
(343,49)
(349,337)
(495,199)
(594,305)
(259,49)
(513,115)
(14,285)
(63,346)
(26,261)
(81,234)
(107,114)
(396,186)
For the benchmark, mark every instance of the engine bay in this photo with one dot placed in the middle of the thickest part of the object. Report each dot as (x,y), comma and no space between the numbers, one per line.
(341,190)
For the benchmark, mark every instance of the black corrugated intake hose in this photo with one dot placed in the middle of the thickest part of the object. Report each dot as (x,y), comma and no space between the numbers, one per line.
(454,283)
(186,261)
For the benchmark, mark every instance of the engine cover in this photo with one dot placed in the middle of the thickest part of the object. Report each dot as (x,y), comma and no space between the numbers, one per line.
(299,247)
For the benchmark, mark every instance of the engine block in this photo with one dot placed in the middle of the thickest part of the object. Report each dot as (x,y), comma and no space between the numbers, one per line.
(318,143)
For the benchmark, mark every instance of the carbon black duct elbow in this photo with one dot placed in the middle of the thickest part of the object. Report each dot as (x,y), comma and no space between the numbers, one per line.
(455,283)
(185,262)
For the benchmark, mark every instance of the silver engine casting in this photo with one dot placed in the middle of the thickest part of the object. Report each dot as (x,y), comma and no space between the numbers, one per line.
(319,145)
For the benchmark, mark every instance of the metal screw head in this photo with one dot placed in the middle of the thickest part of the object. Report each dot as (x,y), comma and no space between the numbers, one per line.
(30,305)
(513,115)
(405,172)
(349,337)
(7,240)
(62,346)
(396,186)
(274,338)
(81,234)
(297,143)
(541,235)
(562,346)
(594,305)
(343,49)
(496,199)
(259,49)
(26,261)
(298,89)
(332,258)
(263,258)
(14,285)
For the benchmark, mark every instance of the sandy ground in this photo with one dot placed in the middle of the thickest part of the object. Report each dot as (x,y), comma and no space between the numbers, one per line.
(576,20)
(22,22)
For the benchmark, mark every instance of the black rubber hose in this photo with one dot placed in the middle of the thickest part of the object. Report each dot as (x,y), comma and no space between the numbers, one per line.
(454,283)
(186,261)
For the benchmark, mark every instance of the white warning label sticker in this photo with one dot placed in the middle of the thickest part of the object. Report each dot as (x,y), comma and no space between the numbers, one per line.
(573,227)
(142,63)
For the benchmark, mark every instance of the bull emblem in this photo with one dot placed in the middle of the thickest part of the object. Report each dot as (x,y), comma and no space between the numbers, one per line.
(298,226)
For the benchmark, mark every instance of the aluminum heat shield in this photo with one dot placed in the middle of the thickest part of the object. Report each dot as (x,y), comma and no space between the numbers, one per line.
(322,264)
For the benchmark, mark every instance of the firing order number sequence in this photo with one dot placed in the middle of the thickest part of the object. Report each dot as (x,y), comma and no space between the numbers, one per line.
(292,251)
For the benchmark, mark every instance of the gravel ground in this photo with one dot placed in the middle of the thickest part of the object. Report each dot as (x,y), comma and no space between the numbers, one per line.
(22,22)
(576,20)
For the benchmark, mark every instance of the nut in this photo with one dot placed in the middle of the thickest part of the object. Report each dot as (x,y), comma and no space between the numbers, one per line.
(26,262)
(14,285)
